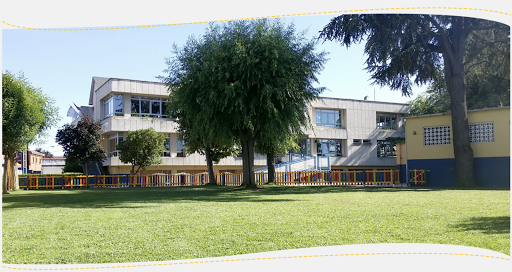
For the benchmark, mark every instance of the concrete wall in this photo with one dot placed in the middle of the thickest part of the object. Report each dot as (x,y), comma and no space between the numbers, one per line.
(358,122)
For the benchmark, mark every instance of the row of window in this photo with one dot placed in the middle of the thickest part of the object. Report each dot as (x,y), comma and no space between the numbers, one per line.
(325,147)
(143,106)
(140,106)
(440,135)
(333,118)
(330,147)
(116,138)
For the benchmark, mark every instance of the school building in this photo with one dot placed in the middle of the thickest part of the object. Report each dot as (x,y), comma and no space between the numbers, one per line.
(348,134)
(429,145)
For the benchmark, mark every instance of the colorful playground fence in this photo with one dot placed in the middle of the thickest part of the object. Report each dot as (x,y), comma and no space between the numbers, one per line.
(340,178)
(418,176)
(304,178)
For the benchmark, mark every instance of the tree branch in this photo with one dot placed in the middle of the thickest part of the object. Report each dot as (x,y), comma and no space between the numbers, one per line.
(444,38)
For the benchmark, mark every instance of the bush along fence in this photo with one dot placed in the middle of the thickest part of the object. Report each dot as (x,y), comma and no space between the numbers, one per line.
(305,178)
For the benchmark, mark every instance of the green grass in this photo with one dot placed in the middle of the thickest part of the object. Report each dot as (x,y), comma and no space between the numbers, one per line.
(157,224)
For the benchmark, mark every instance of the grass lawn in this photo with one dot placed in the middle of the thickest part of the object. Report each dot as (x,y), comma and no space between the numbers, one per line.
(172,223)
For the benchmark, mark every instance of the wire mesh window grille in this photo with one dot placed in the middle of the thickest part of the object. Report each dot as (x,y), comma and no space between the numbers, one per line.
(481,132)
(439,135)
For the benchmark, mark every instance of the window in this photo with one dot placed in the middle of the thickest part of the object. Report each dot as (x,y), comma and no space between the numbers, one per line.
(148,106)
(436,135)
(167,147)
(481,132)
(305,146)
(367,141)
(357,141)
(328,147)
(386,121)
(113,106)
(328,118)
(113,141)
(385,149)
(180,147)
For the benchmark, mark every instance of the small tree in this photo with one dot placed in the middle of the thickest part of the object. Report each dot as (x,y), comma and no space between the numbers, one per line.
(81,143)
(26,114)
(142,148)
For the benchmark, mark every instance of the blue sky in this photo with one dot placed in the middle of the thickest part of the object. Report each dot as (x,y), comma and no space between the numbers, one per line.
(62,64)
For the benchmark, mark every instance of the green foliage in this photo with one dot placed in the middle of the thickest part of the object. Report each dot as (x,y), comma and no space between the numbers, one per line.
(26,112)
(430,102)
(403,47)
(81,142)
(142,148)
(72,167)
(487,77)
(396,140)
(407,49)
(240,80)
(46,153)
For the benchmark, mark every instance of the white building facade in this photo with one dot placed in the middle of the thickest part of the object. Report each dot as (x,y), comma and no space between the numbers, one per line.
(352,133)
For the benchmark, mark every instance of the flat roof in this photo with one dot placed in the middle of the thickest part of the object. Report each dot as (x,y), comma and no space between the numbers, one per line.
(449,113)
(368,101)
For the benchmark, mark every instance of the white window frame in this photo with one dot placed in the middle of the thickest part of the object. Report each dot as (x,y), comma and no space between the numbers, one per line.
(387,125)
(386,149)
(118,137)
(150,101)
(111,106)
(167,149)
(321,122)
(329,142)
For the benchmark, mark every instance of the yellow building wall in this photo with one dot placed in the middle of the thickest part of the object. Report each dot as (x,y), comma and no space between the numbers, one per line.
(400,154)
(499,148)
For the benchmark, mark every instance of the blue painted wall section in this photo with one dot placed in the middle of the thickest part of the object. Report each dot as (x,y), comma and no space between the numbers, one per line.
(402,173)
(492,172)
(489,172)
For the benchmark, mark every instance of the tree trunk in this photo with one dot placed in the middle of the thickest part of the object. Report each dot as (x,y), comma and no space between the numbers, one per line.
(14,169)
(248,161)
(10,162)
(271,168)
(454,76)
(85,167)
(5,175)
(209,163)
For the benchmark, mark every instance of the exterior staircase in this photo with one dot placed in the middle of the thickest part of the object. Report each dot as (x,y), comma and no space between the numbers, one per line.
(93,168)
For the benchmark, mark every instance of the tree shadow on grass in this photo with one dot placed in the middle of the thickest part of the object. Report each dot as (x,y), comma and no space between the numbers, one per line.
(486,225)
(119,197)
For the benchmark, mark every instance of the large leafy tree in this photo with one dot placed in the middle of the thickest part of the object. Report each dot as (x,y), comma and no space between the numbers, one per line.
(243,76)
(27,114)
(487,78)
(81,142)
(407,49)
(142,148)
(187,112)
